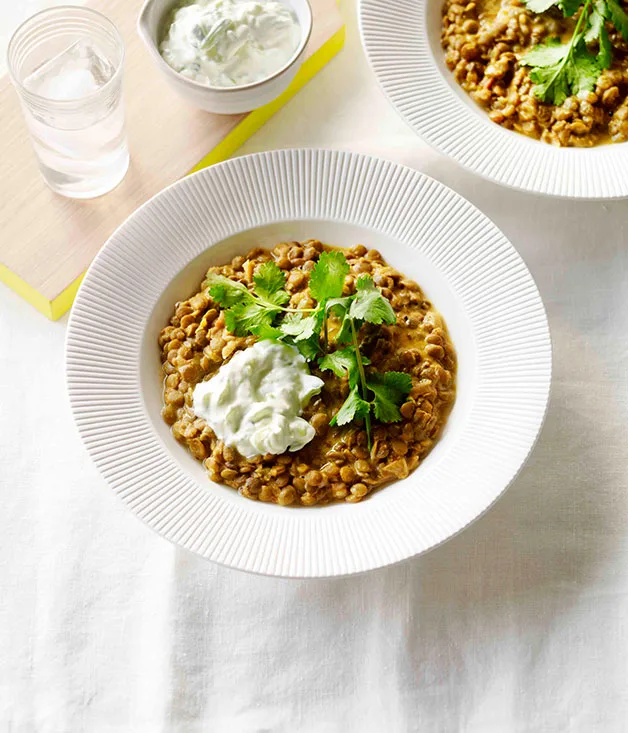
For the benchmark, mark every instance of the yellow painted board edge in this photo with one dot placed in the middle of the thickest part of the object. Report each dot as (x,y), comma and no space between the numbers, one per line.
(54,309)
(28,292)
(62,303)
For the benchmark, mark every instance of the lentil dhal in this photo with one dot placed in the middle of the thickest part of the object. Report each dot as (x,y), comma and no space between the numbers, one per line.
(337,465)
(483,42)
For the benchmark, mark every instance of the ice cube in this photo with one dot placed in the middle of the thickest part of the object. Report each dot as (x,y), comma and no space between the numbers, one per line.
(75,73)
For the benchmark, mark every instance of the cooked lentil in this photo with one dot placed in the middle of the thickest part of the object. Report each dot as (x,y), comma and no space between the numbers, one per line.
(336,465)
(483,42)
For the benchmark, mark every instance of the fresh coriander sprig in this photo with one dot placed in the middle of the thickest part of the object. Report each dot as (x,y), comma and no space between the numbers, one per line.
(389,390)
(256,312)
(560,70)
(364,407)
(367,305)
(246,311)
(263,312)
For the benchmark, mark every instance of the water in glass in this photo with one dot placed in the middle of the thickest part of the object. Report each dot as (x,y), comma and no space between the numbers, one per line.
(85,153)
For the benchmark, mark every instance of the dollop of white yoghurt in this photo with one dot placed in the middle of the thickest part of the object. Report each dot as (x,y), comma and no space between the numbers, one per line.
(227,43)
(255,401)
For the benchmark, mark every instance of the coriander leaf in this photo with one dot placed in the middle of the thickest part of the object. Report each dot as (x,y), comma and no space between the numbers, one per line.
(269,282)
(369,304)
(539,6)
(338,306)
(300,328)
(327,279)
(245,312)
(344,335)
(390,390)
(600,6)
(244,318)
(343,363)
(226,292)
(582,70)
(353,407)
(549,73)
(548,53)
(551,83)
(618,17)
(231,322)
(569,7)
(597,32)
(561,69)
(364,282)
(400,381)
(596,23)
(309,348)
(264,332)
(604,55)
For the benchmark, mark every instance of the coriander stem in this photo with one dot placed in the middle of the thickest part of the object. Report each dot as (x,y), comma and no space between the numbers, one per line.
(583,15)
(364,390)
(286,310)
(272,306)
(281,307)
(326,309)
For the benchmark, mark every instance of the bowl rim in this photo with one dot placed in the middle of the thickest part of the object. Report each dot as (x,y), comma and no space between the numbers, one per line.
(283,186)
(166,68)
(402,57)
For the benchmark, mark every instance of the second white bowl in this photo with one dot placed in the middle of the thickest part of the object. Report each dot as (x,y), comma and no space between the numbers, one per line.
(402,44)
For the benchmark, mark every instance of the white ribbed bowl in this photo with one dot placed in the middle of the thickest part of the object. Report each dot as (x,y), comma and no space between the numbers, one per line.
(462,261)
(402,43)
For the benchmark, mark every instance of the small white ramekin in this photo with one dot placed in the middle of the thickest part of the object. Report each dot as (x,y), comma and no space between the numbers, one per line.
(223,100)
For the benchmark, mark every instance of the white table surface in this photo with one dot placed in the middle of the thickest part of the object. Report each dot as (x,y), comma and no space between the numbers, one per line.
(518,624)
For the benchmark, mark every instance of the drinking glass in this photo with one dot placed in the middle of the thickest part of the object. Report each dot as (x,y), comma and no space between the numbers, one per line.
(66,65)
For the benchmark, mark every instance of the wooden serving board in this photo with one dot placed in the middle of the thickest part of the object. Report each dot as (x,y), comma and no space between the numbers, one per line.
(47,241)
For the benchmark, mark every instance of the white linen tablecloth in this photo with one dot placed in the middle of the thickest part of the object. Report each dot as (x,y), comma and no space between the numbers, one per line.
(518,624)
